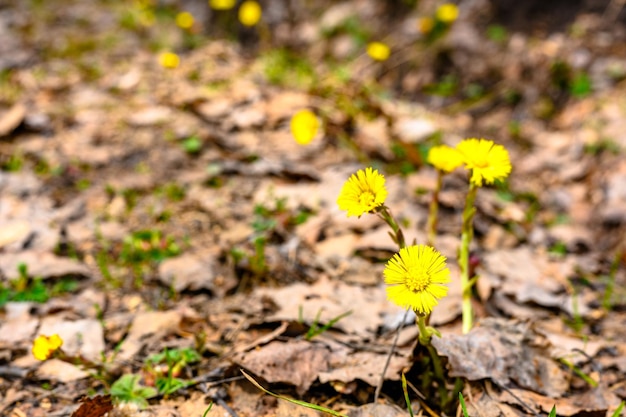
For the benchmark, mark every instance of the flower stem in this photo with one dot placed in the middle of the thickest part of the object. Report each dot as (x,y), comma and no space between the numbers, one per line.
(397,236)
(434,209)
(466,238)
(426,334)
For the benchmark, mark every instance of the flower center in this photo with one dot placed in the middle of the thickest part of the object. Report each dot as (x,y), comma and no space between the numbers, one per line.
(366,199)
(416,279)
(481,162)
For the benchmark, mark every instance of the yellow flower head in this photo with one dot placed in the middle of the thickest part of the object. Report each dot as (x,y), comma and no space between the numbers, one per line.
(445,158)
(250,13)
(447,13)
(184,20)
(415,276)
(363,192)
(488,161)
(304,126)
(425,24)
(378,51)
(222,4)
(44,346)
(169,60)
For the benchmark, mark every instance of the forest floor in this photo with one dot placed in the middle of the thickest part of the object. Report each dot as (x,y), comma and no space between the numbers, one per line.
(166,225)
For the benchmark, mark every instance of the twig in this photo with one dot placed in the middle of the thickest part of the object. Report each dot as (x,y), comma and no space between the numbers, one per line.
(393,348)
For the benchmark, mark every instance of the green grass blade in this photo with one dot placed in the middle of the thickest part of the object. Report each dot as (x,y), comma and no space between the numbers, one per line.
(463,407)
(291,400)
(618,412)
(406,395)
(207,410)
(553,411)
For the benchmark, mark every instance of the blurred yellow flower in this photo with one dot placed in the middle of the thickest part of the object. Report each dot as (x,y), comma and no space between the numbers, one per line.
(425,24)
(184,20)
(415,276)
(445,158)
(250,13)
(304,126)
(378,51)
(488,161)
(447,13)
(222,4)
(363,192)
(44,346)
(169,60)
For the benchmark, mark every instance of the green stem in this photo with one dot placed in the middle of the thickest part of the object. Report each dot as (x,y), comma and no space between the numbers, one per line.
(434,209)
(397,235)
(425,336)
(466,238)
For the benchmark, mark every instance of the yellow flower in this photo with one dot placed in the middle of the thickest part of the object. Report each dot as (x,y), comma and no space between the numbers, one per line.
(169,60)
(447,13)
(488,161)
(363,192)
(445,158)
(184,20)
(425,24)
(222,4)
(44,346)
(304,126)
(415,276)
(378,51)
(250,13)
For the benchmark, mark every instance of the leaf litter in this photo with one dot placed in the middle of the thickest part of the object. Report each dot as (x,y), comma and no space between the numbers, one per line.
(95,151)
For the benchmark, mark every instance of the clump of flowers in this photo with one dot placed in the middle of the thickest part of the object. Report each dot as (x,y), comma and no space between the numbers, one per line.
(304,126)
(487,162)
(378,51)
(44,347)
(363,193)
(416,275)
(169,60)
(250,13)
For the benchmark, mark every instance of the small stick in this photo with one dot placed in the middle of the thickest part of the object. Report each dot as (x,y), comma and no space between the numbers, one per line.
(393,348)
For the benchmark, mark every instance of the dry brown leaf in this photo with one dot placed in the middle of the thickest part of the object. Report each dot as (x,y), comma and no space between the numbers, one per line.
(506,352)
(145,329)
(296,362)
(327,299)
(41,264)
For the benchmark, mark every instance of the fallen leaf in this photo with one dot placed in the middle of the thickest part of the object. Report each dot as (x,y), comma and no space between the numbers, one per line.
(96,406)
(506,352)
(146,328)
(11,119)
(296,362)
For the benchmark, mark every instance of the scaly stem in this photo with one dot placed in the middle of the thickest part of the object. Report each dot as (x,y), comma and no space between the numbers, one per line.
(434,209)
(466,238)
(397,236)
(426,334)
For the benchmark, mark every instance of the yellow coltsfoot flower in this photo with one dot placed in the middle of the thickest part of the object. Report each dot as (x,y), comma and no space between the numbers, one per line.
(445,158)
(169,60)
(45,346)
(222,4)
(184,20)
(489,162)
(378,51)
(250,13)
(415,276)
(363,192)
(447,13)
(304,126)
